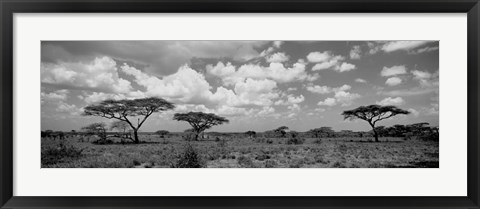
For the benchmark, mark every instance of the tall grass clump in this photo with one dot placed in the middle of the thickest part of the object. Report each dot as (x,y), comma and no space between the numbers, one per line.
(58,152)
(189,158)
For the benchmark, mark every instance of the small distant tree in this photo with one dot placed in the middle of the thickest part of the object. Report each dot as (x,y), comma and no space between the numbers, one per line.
(251,134)
(122,126)
(372,114)
(200,121)
(98,129)
(322,132)
(282,130)
(123,109)
(162,133)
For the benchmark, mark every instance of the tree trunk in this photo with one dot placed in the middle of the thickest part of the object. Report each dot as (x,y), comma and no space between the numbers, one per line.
(375,133)
(135,134)
(196,135)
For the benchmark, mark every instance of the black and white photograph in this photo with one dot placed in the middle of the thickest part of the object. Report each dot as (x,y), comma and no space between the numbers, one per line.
(240,104)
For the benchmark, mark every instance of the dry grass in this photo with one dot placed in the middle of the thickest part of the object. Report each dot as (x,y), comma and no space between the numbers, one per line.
(254,153)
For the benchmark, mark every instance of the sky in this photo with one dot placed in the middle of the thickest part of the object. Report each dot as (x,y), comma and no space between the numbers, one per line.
(257,85)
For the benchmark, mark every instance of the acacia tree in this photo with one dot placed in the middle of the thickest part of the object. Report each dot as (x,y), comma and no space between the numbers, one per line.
(122,126)
(162,133)
(372,114)
(282,130)
(140,109)
(98,129)
(200,121)
(251,134)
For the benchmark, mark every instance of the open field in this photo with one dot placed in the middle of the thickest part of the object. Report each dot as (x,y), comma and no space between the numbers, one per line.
(241,152)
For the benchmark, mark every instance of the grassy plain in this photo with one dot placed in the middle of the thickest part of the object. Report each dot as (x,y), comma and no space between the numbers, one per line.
(243,152)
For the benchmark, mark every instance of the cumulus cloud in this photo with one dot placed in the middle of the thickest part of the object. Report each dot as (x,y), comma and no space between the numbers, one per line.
(393,71)
(99,74)
(327,60)
(277,44)
(328,102)
(359,80)
(319,89)
(424,50)
(344,67)
(290,100)
(393,81)
(402,45)
(158,57)
(319,56)
(277,57)
(341,96)
(355,52)
(426,79)
(274,71)
(55,96)
(414,112)
(392,101)
(326,89)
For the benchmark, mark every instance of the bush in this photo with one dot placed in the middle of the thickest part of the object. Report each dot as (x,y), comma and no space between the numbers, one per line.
(295,141)
(189,158)
(103,141)
(245,162)
(317,141)
(58,153)
(271,164)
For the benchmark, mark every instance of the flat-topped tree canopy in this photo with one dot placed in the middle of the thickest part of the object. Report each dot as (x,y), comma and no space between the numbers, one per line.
(122,109)
(373,113)
(200,121)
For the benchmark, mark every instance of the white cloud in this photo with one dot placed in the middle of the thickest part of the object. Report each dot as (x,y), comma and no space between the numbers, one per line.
(328,102)
(278,57)
(414,112)
(392,101)
(345,98)
(327,60)
(266,111)
(96,97)
(319,89)
(186,85)
(319,56)
(373,47)
(425,78)
(72,109)
(275,71)
(394,70)
(393,81)
(359,80)
(345,67)
(58,95)
(290,100)
(277,44)
(424,50)
(355,52)
(402,45)
(421,74)
(101,74)
(325,89)
(341,97)
(294,107)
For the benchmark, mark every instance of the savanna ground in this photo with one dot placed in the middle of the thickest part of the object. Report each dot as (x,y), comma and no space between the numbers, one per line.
(241,152)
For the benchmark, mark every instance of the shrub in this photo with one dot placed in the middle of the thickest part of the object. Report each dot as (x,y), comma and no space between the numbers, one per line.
(295,141)
(59,152)
(189,158)
(245,162)
(271,164)
(317,141)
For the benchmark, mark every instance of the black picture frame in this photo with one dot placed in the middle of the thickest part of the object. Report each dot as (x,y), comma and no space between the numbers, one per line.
(10,7)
